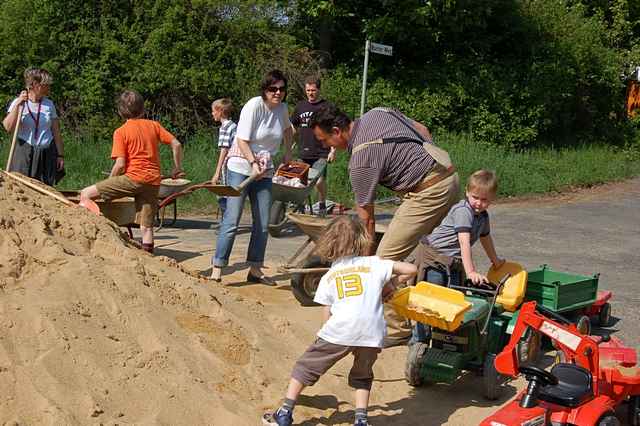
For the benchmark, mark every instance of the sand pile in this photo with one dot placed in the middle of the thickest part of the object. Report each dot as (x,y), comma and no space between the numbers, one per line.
(95,331)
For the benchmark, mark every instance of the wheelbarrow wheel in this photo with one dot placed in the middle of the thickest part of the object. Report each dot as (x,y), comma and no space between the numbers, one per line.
(277,219)
(604,316)
(491,378)
(304,285)
(413,365)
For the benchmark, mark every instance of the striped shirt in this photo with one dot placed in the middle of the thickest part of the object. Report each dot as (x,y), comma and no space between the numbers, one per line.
(398,164)
(227,134)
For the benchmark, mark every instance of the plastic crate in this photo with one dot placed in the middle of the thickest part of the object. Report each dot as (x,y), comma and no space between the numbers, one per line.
(431,304)
(561,291)
(294,169)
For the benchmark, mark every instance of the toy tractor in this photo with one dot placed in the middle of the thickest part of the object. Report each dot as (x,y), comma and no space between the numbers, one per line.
(469,326)
(596,376)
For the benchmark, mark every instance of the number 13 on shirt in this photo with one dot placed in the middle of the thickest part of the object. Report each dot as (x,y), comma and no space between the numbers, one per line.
(349,285)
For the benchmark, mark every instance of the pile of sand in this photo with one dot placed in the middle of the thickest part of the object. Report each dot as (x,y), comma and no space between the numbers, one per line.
(95,331)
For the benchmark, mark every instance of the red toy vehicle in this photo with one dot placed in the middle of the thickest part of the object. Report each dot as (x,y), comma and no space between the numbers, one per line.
(599,374)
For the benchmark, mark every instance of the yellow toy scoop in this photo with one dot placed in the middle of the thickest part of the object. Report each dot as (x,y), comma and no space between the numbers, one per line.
(431,304)
(514,288)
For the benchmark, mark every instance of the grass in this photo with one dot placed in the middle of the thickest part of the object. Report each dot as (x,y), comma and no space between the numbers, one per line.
(529,172)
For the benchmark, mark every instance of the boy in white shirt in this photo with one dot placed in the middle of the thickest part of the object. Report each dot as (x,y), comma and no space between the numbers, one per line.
(352,293)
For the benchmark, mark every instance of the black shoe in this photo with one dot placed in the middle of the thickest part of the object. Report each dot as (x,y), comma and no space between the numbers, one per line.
(390,342)
(261,280)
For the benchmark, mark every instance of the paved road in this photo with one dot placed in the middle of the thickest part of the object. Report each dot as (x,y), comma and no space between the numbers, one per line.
(592,231)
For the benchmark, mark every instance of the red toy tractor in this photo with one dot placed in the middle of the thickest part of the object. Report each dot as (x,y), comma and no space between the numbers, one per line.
(597,374)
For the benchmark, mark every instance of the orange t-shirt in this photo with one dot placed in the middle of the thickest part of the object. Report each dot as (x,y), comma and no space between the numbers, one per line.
(137,141)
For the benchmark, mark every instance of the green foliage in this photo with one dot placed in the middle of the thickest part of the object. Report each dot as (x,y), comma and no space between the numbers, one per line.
(179,55)
(514,73)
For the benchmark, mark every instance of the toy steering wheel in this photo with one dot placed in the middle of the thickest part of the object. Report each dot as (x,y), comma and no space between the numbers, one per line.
(538,378)
(534,373)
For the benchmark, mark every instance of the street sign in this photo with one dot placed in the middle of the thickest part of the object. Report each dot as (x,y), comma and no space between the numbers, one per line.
(381,49)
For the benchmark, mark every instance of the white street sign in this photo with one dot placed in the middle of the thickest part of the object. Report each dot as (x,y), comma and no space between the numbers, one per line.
(381,49)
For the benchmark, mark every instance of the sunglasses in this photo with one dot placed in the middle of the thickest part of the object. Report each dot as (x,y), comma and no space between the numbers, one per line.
(274,89)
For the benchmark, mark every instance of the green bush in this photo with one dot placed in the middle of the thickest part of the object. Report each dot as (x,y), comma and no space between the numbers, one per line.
(514,73)
(179,55)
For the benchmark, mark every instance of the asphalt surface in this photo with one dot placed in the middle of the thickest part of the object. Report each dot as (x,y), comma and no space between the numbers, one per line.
(586,232)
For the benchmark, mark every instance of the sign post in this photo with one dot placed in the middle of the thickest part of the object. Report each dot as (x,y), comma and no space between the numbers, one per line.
(381,49)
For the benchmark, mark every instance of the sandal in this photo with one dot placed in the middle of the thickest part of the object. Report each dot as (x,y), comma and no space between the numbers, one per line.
(261,280)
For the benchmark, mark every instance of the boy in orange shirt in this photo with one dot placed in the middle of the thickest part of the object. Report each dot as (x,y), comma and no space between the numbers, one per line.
(136,171)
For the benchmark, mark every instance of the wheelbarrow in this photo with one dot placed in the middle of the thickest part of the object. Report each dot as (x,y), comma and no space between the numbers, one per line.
(284,196)
(168,187)
(121,211)
(176,191)
(307,270)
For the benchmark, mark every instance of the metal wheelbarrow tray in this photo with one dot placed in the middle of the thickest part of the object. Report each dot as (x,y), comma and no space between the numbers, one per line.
(306,271)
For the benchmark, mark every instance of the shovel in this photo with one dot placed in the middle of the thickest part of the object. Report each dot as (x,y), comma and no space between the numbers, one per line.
(87,204)
(231,191)
(224,190)
(15,138)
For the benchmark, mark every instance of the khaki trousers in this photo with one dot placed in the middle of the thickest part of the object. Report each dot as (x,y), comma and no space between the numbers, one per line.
(419,213)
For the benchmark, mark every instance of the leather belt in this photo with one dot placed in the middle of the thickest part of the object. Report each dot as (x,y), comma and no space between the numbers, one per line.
(419,187)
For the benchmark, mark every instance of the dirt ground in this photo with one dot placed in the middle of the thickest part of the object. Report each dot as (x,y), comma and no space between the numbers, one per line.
(94,331)
(585,231)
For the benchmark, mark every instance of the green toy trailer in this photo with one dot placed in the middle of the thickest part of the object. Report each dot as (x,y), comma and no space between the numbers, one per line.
(574,296)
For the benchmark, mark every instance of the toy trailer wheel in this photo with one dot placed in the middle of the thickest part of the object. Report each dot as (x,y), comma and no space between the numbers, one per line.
(413,365)
(583,324)
(609,419)
(277,219)
(529,347)
(490,378)
(604,316)
(303,285)
(634,411)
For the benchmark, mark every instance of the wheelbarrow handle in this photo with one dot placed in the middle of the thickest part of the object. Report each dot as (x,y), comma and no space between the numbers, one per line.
(246,182)
(168,200)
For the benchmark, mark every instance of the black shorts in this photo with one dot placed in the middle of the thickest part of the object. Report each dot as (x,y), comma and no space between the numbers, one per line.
(312,161)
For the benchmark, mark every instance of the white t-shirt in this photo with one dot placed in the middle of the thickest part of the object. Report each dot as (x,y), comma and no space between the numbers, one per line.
(353,289)
(28,122)
(261,126)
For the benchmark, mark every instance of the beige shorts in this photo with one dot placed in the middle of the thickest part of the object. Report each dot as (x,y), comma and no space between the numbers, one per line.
(146,196)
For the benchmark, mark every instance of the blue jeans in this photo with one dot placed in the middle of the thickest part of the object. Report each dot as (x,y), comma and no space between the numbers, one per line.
(421,332)
(259,193)
(222,203)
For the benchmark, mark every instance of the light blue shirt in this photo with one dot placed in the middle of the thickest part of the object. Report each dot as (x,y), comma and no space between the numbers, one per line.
(27,131)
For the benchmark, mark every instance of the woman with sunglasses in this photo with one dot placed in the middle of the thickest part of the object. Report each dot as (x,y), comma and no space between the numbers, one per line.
(39,151)
(263,125)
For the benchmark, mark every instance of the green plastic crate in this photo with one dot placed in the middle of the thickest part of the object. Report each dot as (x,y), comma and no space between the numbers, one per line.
(561,291)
